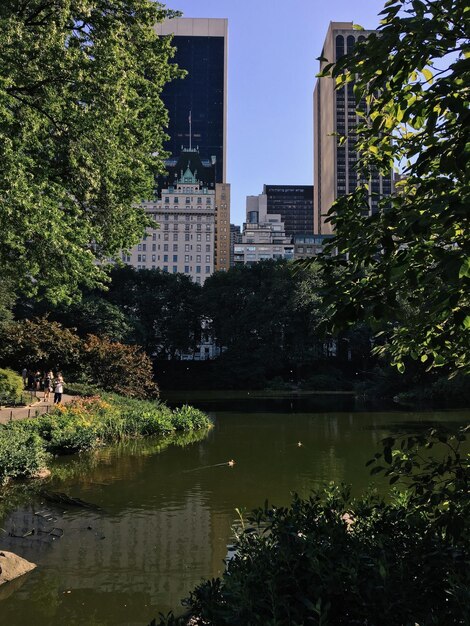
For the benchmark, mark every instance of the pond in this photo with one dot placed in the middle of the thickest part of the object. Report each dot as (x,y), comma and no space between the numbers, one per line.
(167,508)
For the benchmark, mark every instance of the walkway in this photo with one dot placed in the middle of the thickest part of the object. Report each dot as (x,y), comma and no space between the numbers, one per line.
(31,410)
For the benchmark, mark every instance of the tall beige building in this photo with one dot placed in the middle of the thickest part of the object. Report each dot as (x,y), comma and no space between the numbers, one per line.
(334,111)
(222,227)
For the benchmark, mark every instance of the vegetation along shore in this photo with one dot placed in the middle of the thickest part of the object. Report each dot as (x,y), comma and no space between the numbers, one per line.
(27,445)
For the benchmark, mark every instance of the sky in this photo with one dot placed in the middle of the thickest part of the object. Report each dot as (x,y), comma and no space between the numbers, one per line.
(272,53)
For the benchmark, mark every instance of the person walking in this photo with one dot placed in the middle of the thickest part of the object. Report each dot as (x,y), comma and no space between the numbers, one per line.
(24,376)
(58,388)
(48,380)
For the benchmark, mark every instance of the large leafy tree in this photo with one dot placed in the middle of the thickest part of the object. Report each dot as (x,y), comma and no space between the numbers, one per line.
(81,131)
(407,268)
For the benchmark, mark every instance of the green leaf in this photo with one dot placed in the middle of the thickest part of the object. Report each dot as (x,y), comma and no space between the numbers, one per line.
(465,269)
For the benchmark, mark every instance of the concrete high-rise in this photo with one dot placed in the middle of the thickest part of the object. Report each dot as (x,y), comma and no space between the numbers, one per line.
(294,203)
(197,104)
(334,111)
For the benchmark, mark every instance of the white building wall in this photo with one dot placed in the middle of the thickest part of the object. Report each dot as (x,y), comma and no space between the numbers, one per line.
(182,240)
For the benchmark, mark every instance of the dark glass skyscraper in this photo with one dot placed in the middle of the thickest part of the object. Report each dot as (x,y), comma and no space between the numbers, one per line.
(295,205)
(198,102)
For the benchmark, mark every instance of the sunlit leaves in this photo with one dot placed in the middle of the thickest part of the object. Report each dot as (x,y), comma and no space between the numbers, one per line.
(415,250)
(81,120)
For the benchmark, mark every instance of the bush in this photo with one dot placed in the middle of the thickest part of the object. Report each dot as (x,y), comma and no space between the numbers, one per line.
(11,386)
(118,367)
(22,453)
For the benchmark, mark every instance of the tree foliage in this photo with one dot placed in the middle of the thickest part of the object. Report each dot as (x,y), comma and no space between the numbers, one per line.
(407,267)
(44,344)
(81,135)
(115,366)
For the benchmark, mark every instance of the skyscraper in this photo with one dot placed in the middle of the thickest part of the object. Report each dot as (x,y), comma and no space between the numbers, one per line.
(334,111)
(294,203)
(197,104)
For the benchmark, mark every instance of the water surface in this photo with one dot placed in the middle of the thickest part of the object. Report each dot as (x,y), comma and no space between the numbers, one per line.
(166,510)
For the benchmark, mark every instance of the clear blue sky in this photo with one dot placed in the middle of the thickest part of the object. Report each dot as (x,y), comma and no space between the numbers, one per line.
(273,47)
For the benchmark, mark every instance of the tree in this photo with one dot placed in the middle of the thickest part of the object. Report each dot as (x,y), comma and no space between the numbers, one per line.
(117,367)
(407,267)
(39,343)
(163,309)
(81,135)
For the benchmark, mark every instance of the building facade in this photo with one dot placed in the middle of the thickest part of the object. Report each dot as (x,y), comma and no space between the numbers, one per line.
(306,246)
(294,203)
(263,235)
(334,111)
(235,238)
(197,104)
(222,227)
(183,240)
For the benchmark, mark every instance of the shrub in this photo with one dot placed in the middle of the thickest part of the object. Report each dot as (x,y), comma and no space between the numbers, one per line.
(118,367)
(22,453)
(187,418)
(11,386)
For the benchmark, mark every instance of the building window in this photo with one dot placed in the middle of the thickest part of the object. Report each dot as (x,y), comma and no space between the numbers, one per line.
(165,268)
(198,237)
(175,258)
(154,257)
(154,247)
(154,237)
(198,258)
(198,269)
(139,258)
(186,269)
(208,237)
(139,247)
(165,247)
(175,269)
(186,258)
(208,248)
(208,258)
(208,269)
(165,258)
(175,247)
(186,237)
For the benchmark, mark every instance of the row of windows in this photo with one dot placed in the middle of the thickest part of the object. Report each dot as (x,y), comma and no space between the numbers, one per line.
(187,216)
(187,200)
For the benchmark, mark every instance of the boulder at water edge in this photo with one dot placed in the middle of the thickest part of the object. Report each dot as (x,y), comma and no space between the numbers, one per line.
(12,566)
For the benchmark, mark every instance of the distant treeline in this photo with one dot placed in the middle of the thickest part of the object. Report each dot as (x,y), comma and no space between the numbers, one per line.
(267,320)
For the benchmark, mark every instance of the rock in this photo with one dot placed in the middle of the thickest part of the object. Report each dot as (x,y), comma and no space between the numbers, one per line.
(13,566)
(42,474)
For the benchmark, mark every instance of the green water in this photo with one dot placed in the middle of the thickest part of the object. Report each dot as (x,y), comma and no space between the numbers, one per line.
(166,510)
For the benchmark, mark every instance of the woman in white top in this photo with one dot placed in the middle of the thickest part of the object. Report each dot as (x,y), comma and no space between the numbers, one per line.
(58,388)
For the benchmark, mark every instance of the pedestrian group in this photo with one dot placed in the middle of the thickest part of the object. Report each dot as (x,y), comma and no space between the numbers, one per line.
(45,382)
